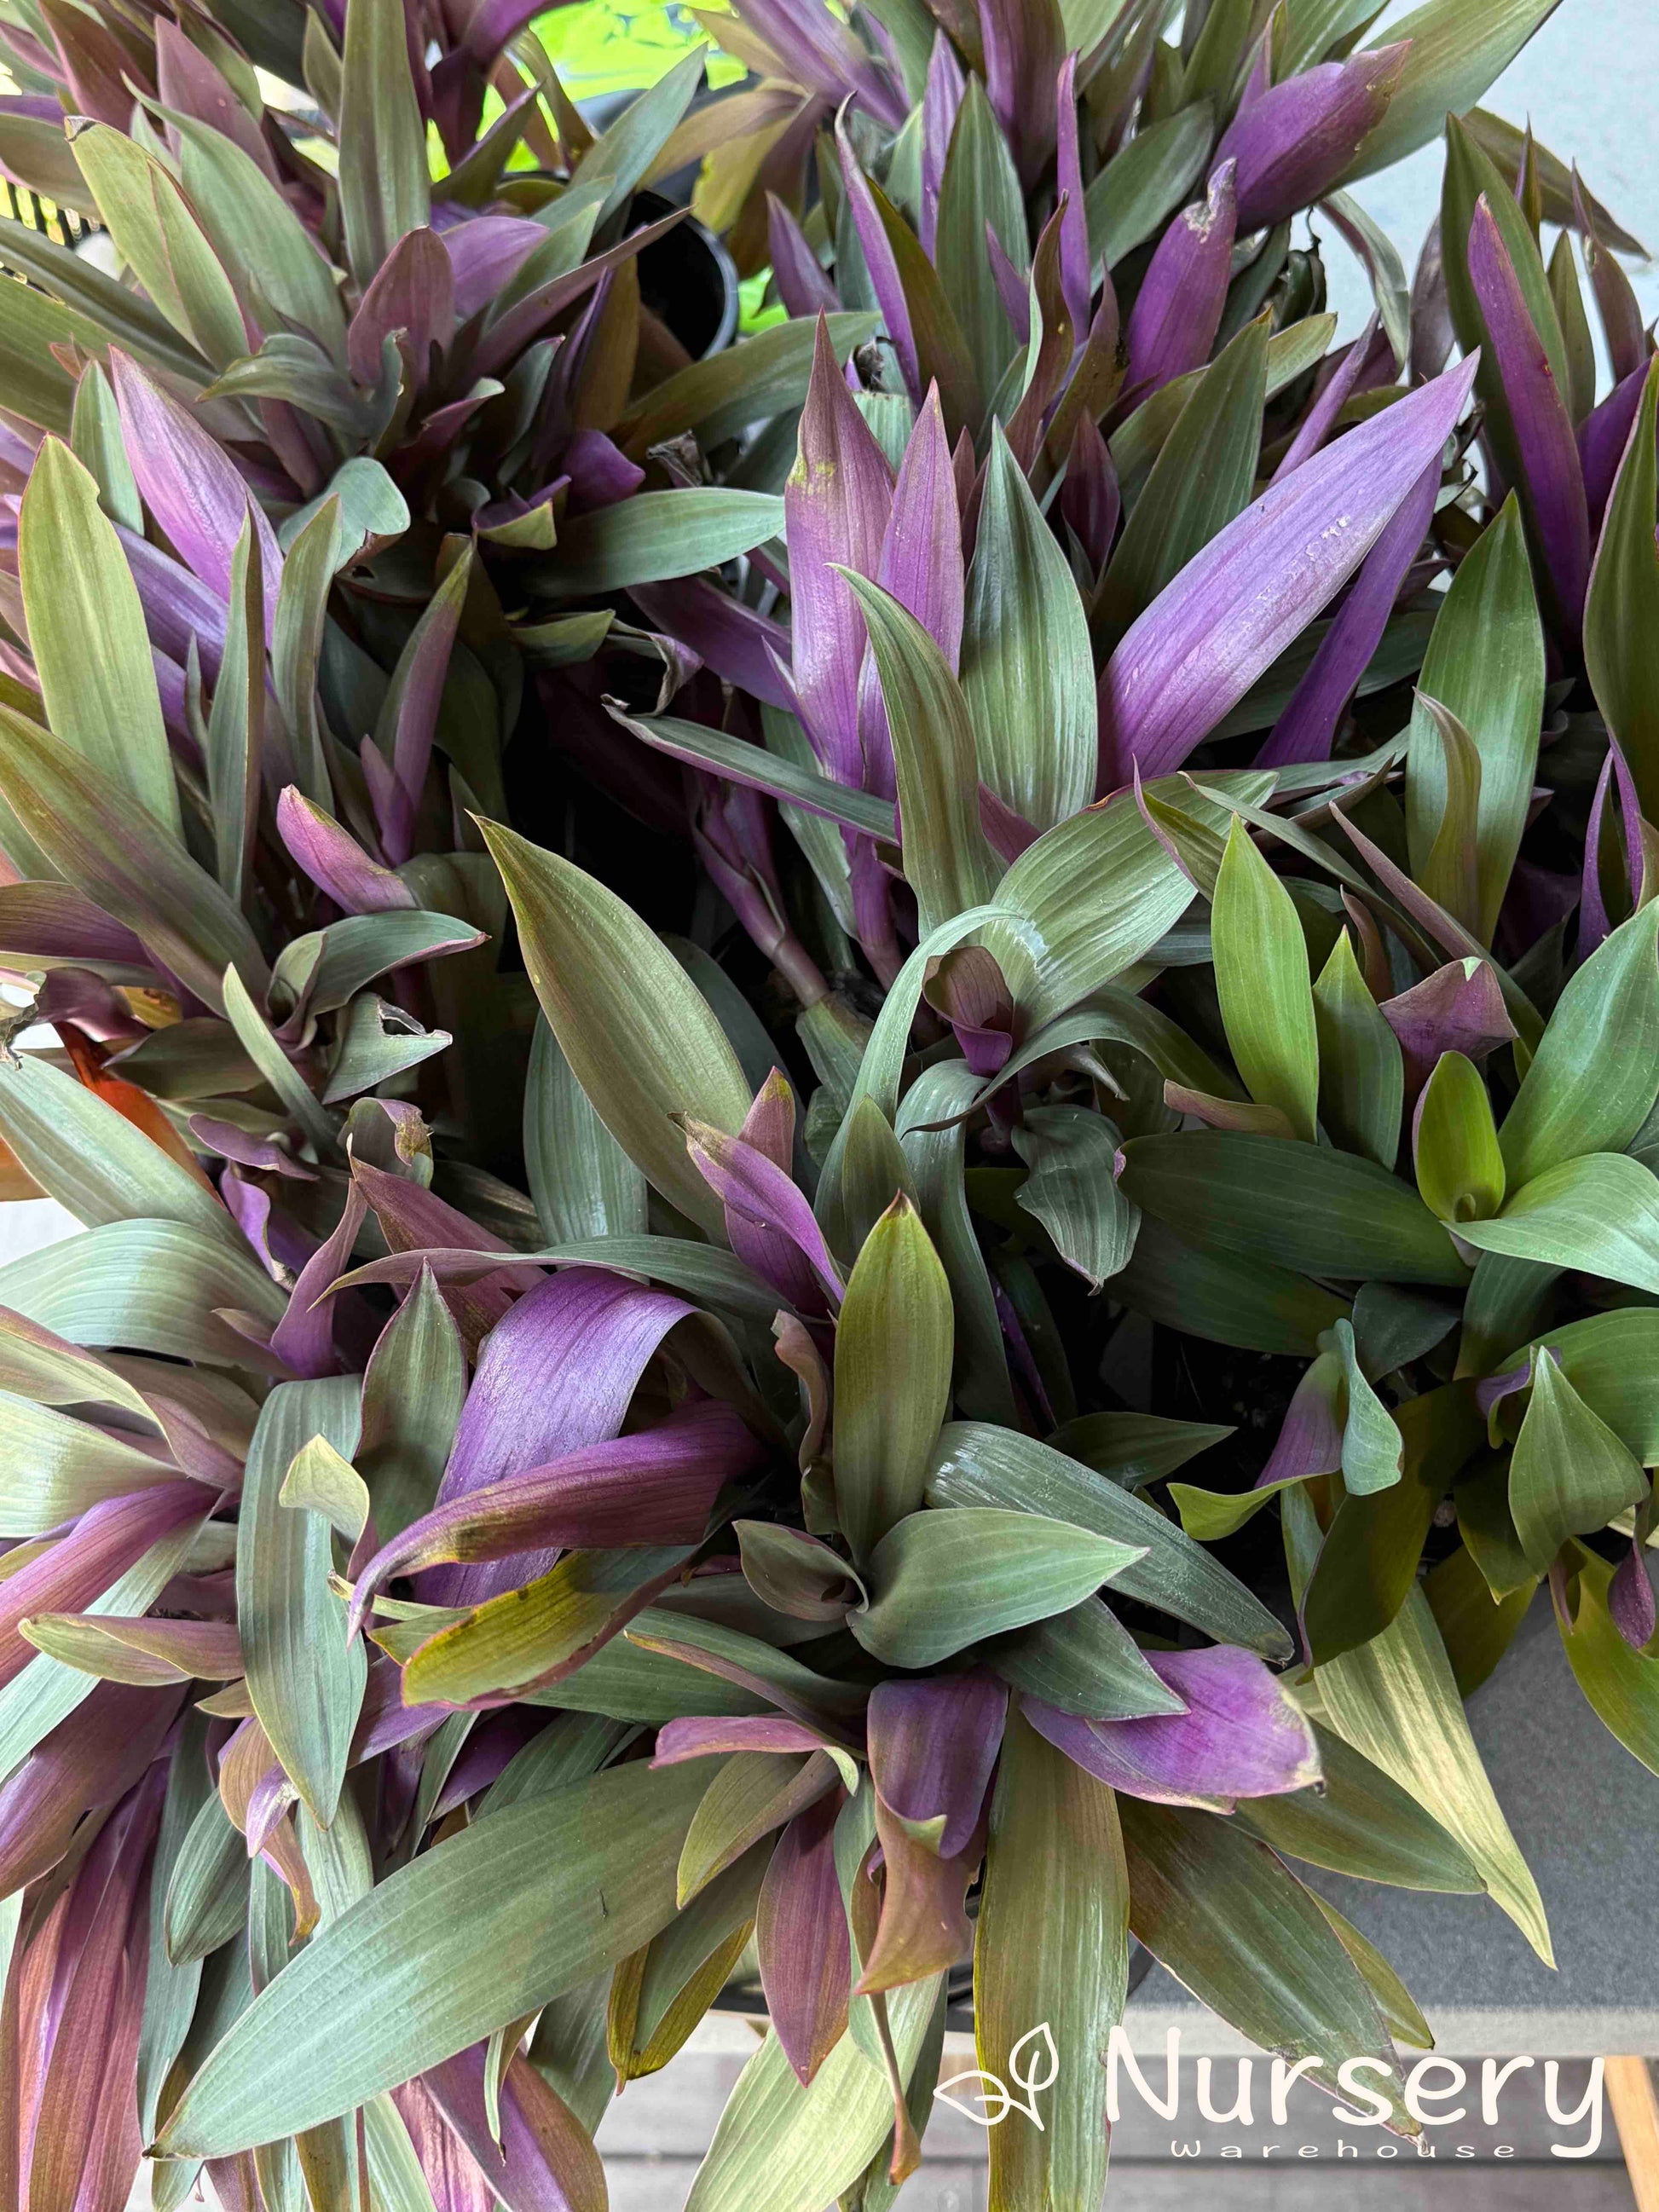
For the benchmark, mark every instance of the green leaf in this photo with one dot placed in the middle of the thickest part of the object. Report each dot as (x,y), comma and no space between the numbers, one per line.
(1372,1452)
(96,1163)
(1448,872)
(1459,1168)
(296,649)
(1229,1920)
(621,156)
(1224,1297)
(654,535)
(1357,1822)
(936,1160)
(147,1286)
(1599,1213)
(748,763)
(1612,1360)
(794,2148)
(639,1034)
(1323,1211)
(1203,477)
(1595,1075)
(1084,1661)
(1621,614)
(1362,1072)
(752,1794)
(1569,298)
(319,1480)
(1570,1473)
(384,189)
(1143,184)
(305,1681)
(942,355)
(253,229)
(583,1182)
(170,1991)
(1396,1703)
(1457,48)
(765,375)
(1071,1188)
(482,1929)
(95,437)
(126,860)
(1622,1686)
(158,237)
(1291,352)
(975,1464)
(980,186)
(1027,672)
(1400,2013)
(944,1580)
(207,1897)
(1263,983)
(55,1468)
(1051,1946)
(893,1353)
(77,585)
(265,1050)
(947,862)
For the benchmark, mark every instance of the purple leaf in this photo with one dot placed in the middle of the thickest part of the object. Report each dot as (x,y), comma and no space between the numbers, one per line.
(1593,921)
(921,565)
(179,608)
(1629,1597)
(1241,1735)
(677,1740)
(836,503)
(54,921)
(1022,43)
(1459,1008)
(657,1487)
(801,1937)
(412,705)
(506,338)
(189,485)
(1310,1439)
(1090,498)
(880,261)
(730,638)
(823,55)
(413,292)
(1602,437)
(1300,137)
(1011,287)
(933,1747)
(1189,659)
(559,1371)
(484,254)
(941,101)
(541,2158)
(385,1720)
(1320,420)
(189,83)
(1076,276)
(88,1762)
(771,1223)
(108,1538)
(335,861)
(1553,478)
(416,1220)
(304,1338)
(599,472)
(1178,311)
(1308,726)
(803,286)
(492,23)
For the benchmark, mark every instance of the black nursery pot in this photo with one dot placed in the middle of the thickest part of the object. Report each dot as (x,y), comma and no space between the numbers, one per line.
(687,279)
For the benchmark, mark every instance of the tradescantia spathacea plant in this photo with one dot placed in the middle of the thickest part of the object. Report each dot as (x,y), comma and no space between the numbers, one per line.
(608,1438)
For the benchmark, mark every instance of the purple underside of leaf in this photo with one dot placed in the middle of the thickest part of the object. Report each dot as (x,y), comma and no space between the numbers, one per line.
(823,55)
(1190,657)
(413,291)
(1075,272)
(1310,1439)
(178,605)
(1299,137)
(304,1338)
(1308,726)
(656,1487)
(1452,1010)
(1602,437)
(188,82)
(1544,443)
(677,1740)
(836,503)
(1631,1600)
(385,1720)
(88,1762)
(557,1373)
(1594,922)
(1090,497)
(1320,420)
(771,1223)
(730,638)
(108,1538)
(335,861)
(1241,1736)
(880,261)
(539,2158)
(803,286)
(506,338)
(1022,59)
(933,1747)
(493,22)
(805,1960)
(485,253)
(56,921)
(189,485)
(1177,311)
(1012,287)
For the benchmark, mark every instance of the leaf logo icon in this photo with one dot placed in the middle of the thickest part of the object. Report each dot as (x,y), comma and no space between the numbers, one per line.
(1040,2071)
